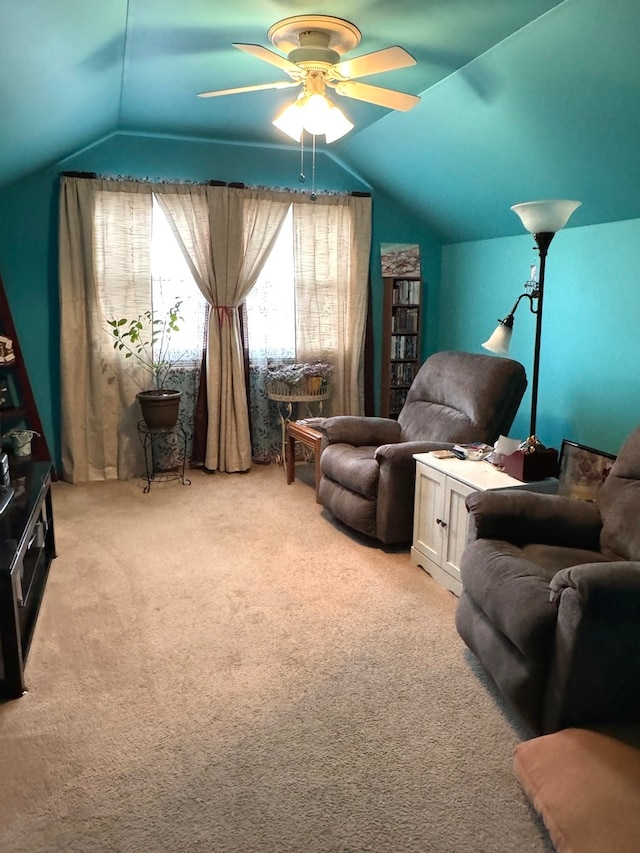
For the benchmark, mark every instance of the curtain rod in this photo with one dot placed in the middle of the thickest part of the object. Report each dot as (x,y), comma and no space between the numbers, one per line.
(93,175)
(211,183)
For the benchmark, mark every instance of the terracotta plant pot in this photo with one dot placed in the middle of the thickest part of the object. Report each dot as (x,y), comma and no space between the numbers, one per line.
(160,407)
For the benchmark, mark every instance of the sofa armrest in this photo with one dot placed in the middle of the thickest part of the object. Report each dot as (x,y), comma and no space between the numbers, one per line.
(594,581)
(359,431)
(595,671)
(521,517)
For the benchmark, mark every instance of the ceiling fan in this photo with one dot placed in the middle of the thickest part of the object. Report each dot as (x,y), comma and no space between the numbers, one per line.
(314,45)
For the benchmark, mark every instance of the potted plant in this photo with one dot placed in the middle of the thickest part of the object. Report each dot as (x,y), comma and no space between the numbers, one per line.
(147,338)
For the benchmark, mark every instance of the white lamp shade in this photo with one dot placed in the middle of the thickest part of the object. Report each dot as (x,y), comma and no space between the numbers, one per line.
(337,124)
(316,114)
(499,340)
(315,110)
(289,121)
(540,217)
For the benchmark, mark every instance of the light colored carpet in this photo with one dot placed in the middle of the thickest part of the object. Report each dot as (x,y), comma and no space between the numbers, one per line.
(220,667)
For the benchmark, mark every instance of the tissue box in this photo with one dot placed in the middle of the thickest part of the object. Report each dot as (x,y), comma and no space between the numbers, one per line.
(531,466)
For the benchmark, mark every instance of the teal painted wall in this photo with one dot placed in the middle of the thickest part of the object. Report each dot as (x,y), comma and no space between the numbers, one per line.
(589,388)
(29,222)
(28,264)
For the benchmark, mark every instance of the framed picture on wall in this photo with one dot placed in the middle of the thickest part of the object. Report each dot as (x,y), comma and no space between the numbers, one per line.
(398,259)
(582,470)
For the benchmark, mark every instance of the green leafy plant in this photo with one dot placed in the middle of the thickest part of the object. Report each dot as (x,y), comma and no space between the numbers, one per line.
(147,339)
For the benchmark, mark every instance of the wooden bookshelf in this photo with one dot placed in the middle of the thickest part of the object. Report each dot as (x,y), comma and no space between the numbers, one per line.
(401,325)
(18,408)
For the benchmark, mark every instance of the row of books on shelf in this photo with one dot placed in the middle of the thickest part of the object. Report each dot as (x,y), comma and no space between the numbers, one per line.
(406,292)
(403,373)
(405,320)
(404,346)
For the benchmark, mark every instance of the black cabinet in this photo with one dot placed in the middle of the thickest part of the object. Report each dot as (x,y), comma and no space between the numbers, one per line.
(27,547)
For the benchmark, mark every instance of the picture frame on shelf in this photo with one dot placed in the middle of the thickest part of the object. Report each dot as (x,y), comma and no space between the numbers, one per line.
(582,470)
(6,395)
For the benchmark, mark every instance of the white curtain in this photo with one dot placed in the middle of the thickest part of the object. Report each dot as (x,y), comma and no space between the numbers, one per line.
(226,234)
(104,271)
(331,283)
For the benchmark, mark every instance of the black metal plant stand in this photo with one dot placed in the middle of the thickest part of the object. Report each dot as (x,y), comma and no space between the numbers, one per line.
(149,438)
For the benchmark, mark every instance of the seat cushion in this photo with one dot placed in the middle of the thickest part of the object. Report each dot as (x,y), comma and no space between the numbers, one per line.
(511,586)
(355,468)
(585,786)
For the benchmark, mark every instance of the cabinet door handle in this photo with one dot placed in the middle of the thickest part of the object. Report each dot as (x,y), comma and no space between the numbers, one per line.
(441,522)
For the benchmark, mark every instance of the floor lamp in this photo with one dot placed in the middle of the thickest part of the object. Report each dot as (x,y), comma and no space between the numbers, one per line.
(542,219)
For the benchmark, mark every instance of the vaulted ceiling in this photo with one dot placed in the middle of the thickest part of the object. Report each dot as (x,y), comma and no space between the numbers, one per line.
(520,99)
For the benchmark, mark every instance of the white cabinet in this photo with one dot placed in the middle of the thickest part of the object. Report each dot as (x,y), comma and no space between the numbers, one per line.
(440,516)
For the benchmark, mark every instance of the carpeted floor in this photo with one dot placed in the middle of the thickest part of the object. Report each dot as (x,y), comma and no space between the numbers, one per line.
(220,668)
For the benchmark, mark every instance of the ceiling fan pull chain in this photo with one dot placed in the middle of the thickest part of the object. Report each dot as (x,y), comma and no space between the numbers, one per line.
(302,177)
(313,195)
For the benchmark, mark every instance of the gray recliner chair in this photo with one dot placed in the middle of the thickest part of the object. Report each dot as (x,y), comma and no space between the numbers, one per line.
(551,599)
(367,464)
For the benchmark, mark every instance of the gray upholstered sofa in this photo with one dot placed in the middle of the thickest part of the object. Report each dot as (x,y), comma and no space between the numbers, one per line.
(551,599)
(368,469)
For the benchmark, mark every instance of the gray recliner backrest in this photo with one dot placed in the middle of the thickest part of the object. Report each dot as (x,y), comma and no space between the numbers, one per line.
(462,397)
(618,500)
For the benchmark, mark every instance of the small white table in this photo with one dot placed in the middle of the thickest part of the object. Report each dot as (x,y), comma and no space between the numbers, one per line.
(440,521)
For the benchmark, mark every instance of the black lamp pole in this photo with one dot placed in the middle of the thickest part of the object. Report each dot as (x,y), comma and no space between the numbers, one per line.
(543,239)
(548,216)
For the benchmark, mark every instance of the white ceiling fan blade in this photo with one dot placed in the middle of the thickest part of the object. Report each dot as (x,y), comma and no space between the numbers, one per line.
(377,95)
(388,59)
(269,56)
(283,84)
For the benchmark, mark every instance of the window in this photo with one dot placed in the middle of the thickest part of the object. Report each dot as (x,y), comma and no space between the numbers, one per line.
(172,280)
(271,304)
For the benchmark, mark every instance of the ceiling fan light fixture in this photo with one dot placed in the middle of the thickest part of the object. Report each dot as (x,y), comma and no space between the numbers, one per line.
(315,113)
(314,46)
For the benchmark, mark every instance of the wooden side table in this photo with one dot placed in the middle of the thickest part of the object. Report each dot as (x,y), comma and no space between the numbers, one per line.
(288,396)
(311,438)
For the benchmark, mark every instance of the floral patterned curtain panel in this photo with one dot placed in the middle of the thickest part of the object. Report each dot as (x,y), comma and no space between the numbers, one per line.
(266,425)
